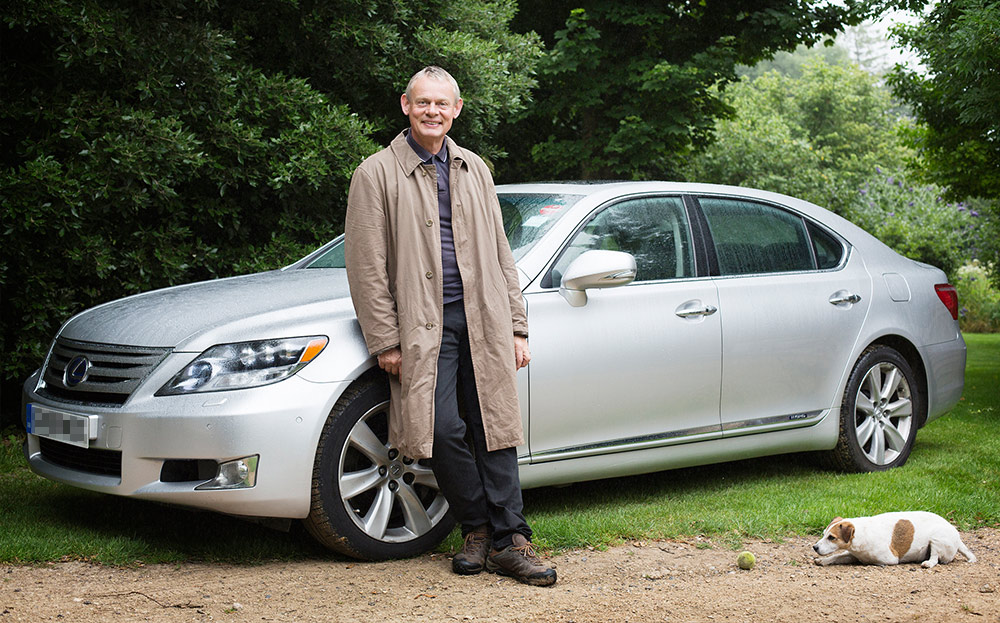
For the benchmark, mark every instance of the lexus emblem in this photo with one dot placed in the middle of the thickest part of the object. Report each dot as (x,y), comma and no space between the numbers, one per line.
(77,371)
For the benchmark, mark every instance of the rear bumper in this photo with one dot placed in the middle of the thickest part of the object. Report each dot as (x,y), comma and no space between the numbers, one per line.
(280,424)
(945,365)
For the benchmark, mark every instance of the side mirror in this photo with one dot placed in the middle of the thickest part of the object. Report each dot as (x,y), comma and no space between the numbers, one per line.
(596,269)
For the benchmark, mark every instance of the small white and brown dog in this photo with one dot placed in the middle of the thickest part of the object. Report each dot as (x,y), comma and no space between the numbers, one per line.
(890,539)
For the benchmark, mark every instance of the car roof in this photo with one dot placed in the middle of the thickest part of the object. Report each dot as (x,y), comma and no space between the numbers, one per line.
(586,187)
(602,190)
(619,187)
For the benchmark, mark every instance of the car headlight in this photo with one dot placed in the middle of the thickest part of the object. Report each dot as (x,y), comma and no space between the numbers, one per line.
(244,365)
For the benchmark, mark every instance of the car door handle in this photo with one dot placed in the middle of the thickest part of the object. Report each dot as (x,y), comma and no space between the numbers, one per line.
(686,312)
(840,298)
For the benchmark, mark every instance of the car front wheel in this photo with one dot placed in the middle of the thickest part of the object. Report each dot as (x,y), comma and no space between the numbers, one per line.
(878,416)
(369,501)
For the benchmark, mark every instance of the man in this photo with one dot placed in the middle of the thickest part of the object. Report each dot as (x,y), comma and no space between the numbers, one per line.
(438,299)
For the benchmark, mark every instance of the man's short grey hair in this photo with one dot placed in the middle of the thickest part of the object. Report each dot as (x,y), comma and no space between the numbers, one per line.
(436,73)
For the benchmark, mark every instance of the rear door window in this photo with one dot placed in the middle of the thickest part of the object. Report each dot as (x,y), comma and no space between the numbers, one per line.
(752,238)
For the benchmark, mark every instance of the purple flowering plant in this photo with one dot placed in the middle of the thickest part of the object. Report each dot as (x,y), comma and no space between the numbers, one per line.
(917,222)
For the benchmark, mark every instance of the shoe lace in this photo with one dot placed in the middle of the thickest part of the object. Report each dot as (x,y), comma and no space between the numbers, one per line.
(527,550)
(475,539)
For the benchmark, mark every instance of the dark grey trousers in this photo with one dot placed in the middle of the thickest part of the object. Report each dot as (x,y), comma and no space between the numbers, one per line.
(482,488)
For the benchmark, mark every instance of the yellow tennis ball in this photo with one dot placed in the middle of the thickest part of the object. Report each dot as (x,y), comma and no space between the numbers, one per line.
(746,560)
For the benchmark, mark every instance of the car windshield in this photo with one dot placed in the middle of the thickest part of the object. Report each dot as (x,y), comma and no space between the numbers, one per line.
(526,218)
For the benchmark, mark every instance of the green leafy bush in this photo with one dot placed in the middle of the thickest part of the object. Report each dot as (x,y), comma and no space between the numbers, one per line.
(978,299)
(628,89)
(140,152)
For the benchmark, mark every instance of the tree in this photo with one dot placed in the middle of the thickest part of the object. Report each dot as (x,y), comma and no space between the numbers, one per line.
(628,89)
(818,136)
(790,64)
(362,52)
(955,101)
(867,46)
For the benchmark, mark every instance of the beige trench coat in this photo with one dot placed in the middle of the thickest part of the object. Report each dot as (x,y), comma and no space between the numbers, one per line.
(393,253)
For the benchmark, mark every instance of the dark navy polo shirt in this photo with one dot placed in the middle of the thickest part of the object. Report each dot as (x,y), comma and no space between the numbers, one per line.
(452,278)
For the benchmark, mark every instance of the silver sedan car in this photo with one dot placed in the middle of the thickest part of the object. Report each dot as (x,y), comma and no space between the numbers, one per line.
(671,325)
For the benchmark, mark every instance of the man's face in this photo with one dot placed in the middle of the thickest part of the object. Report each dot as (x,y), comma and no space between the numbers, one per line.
(431,109)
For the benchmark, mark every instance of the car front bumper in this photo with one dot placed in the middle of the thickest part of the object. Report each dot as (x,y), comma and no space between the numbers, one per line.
(278,424)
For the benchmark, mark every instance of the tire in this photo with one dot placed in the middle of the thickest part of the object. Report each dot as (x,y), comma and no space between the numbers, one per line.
(368,501)
(879,414)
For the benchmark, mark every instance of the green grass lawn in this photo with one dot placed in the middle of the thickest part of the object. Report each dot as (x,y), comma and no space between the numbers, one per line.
(954,471)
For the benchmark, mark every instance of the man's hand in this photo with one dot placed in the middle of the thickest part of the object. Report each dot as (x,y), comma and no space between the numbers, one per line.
(391,360)
(522,356)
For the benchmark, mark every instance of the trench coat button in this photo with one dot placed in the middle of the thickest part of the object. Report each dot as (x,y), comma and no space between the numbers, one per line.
(429,222)
(429,274)
(429,325)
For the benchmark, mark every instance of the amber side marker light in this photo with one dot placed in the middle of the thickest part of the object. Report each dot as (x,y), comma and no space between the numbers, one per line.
(314,348)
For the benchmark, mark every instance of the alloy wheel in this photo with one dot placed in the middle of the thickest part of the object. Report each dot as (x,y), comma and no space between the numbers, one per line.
(390,497)
(883,413)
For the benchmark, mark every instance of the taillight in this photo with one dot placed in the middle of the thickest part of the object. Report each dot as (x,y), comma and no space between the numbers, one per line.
(949,296)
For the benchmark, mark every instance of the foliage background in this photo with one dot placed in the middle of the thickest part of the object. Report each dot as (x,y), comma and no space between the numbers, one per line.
(955,102)
(816,130)
(154,142)
(628,89)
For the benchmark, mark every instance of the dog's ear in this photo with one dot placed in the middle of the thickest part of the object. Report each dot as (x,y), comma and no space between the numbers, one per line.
(835,521)
(846,529)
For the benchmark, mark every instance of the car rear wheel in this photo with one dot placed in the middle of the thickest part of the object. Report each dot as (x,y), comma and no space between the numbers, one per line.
(879,413)
(369,501)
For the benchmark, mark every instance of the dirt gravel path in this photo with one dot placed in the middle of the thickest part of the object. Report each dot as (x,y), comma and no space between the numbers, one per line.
(690,580)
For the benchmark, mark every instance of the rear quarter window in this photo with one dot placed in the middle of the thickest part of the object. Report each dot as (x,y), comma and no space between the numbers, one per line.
(829,250)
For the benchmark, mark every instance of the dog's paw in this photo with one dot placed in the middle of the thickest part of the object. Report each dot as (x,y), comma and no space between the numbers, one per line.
(821,562)
(927,564)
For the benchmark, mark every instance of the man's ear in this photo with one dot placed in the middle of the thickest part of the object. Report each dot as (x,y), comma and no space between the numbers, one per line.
(458,107)
(404,104)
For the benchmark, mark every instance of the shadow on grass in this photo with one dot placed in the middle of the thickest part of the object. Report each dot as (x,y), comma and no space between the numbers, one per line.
(675,483)
(118,530)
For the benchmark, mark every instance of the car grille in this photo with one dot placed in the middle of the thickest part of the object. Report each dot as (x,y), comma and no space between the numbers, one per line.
(115,371)
(104,462)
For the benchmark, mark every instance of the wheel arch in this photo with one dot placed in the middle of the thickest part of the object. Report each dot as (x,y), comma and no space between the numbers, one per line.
(332,520)
(370,374)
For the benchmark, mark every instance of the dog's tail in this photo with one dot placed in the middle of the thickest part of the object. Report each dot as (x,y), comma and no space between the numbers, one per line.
(965,551)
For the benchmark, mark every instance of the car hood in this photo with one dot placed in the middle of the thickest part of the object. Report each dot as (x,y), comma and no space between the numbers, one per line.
(196,316)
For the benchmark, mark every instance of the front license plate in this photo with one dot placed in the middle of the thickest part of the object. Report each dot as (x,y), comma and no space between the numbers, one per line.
(58,425)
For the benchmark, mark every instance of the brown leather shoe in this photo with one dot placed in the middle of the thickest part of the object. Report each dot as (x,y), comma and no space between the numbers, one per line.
(471,559)
(520,562)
